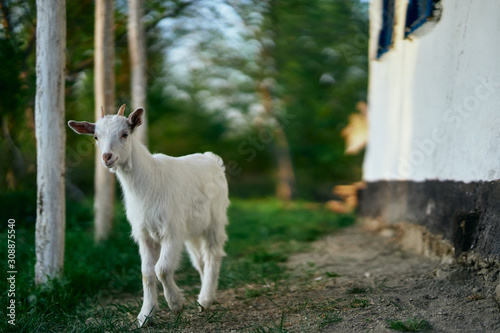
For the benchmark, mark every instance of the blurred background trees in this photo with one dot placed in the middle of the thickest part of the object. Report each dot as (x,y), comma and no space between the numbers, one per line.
(268,85)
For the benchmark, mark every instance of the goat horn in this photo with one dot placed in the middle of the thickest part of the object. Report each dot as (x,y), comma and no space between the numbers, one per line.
(122,110)
(102,112)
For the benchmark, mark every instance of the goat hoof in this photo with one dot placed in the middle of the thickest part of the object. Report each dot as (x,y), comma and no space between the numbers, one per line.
(145,318)
(177,307)
(143,321)
(204,304)
(176,310)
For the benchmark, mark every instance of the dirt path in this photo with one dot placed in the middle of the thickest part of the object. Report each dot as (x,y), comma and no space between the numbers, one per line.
(355,281)
(401,286)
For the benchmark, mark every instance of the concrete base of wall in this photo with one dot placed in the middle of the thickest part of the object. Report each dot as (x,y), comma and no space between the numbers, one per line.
(414,238)
(444,218)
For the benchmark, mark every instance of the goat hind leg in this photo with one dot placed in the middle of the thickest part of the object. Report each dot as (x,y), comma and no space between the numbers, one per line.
(210,280)
(194,249)
(213,252)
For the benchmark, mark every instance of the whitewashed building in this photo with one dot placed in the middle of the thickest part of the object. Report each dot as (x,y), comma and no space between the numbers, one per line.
(433,154)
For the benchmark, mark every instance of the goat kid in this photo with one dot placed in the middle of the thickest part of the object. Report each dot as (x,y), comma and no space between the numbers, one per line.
(169,201)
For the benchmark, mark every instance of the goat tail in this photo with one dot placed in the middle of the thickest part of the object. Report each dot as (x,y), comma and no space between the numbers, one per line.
(217,158)
(220,201)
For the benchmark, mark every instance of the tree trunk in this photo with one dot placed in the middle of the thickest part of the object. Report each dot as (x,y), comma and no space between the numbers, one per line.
(104,90)
(285,187)
(137,51)
(51,138)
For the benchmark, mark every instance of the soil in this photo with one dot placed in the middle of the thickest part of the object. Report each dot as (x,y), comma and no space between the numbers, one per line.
(356,281)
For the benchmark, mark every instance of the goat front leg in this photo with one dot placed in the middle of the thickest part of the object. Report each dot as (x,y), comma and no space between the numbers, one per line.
(165,268)
(149,256)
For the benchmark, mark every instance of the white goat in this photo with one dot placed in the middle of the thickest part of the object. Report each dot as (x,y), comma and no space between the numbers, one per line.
(169,201)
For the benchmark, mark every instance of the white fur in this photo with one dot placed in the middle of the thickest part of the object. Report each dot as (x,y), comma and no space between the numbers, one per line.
(169,202)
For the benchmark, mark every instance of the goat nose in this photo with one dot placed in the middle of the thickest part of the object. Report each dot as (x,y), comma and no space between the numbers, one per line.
(106,157)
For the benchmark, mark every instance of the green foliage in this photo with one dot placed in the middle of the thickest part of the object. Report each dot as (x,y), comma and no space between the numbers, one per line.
(18,204)
(268,223)
(321,64)
(300,42)
(410,325)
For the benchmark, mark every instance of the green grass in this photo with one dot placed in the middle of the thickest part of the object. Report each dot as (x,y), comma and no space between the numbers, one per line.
(328,318)
(357,290)
(262,234)
(410,325)
(275,327)
(331,274)
(359,303)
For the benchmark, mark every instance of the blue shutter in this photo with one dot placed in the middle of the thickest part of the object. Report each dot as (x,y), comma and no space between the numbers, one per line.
(385,37)
(417,13)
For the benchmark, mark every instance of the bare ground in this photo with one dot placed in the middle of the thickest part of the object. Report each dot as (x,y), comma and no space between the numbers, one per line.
(353,281)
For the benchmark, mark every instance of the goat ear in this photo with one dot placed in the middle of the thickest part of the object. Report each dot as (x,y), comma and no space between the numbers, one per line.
(82,127)
(135,118)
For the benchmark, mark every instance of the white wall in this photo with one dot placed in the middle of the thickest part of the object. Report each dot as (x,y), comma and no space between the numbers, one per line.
(434,100)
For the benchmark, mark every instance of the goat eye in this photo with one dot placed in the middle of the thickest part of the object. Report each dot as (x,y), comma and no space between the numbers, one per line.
(95,138)
(124,135)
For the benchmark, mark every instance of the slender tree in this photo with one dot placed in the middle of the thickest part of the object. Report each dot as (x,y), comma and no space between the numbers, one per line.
(285,186)
(51,138)
(137,52)
(104,91)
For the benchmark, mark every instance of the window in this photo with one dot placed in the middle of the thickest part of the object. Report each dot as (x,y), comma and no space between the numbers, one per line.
(385,37)
(418,13)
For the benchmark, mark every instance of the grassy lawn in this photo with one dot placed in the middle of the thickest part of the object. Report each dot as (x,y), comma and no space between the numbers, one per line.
(262,234)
